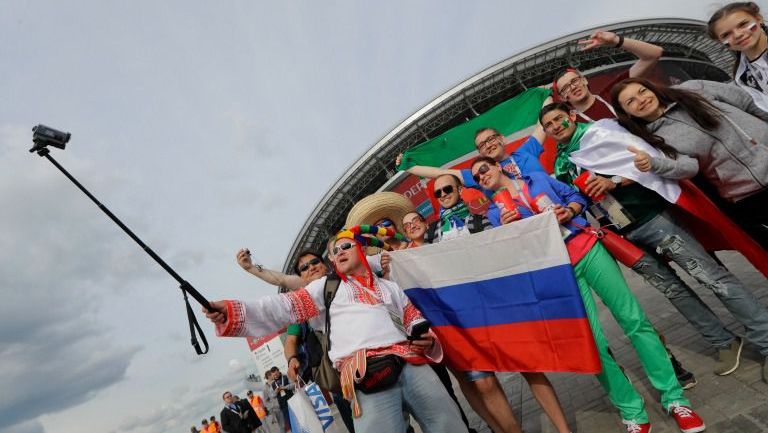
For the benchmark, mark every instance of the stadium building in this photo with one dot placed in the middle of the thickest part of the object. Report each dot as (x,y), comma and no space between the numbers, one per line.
(688,54)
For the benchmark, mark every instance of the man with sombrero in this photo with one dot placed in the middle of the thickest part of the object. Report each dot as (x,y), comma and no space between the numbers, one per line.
(371,318)
(383,209)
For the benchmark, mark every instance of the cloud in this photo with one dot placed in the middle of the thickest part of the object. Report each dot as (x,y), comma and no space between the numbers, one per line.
(57,261)
(26,427)
(191,406)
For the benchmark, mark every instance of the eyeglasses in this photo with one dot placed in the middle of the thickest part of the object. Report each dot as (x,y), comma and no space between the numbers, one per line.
(228,396)
(384,223)
(569,86)
(345,246)
(448,189)
(481,145)
(412,223)
(482,170)
(306,265)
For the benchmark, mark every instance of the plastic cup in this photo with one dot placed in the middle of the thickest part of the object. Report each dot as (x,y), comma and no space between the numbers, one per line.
(504,201)
(581,184)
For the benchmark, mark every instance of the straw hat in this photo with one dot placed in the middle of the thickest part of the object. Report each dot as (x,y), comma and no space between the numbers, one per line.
(380,205)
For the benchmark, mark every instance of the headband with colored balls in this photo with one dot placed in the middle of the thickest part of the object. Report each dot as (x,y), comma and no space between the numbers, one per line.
(356,233)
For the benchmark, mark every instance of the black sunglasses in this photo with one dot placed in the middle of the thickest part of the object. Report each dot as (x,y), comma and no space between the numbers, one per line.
(482,170)
(306,265)
(446,189)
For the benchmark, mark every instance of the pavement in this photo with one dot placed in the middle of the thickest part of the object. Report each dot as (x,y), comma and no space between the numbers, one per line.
(737,403)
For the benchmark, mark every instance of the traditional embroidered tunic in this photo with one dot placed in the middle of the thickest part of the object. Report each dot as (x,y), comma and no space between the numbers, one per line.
(365,322)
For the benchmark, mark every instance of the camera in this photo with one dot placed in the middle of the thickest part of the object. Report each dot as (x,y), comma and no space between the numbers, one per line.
(46,136)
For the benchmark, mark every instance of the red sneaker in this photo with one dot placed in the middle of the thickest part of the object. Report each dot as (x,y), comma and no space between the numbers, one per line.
(687,420)
(633,427)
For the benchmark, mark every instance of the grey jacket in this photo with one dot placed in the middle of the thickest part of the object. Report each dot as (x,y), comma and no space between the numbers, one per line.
(726,156)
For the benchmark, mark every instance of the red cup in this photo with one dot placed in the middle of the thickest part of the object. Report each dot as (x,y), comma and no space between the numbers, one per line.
(503,200)
(581,184)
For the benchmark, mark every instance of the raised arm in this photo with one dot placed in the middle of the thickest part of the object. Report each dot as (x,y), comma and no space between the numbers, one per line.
(268,314)
(275,278)
(648,54)
(428,172)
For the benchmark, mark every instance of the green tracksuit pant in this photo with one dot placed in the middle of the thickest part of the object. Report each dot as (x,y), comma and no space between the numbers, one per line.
(598,270)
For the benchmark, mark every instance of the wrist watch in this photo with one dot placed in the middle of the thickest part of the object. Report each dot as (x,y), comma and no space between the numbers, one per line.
(616,180)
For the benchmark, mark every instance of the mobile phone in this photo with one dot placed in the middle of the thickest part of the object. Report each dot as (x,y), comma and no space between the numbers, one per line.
(419,329)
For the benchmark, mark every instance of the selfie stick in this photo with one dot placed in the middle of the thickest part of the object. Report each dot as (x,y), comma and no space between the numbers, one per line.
(40,147)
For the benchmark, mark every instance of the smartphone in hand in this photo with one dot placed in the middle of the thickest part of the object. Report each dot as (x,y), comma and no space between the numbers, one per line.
(419,329)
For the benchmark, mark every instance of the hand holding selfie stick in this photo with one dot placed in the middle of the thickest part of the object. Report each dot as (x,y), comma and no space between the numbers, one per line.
(43,137)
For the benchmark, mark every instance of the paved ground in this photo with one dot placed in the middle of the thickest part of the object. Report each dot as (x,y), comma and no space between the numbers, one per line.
(732,404)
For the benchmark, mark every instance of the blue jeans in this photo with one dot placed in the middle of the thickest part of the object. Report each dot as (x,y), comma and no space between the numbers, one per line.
(664,235)
(420,391)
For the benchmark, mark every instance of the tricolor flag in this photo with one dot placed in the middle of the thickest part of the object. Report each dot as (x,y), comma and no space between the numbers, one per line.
(503,300)
(455,148)
(603,149)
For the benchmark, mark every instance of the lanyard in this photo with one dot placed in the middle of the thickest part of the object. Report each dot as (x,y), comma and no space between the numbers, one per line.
(607,105)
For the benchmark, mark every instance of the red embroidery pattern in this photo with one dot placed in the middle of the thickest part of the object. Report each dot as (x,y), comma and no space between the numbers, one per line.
(235,324)
(362,296)
(302,305)
(410,314)
(411,354)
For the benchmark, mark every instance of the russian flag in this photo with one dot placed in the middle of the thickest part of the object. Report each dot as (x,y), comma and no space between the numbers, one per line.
(502,300)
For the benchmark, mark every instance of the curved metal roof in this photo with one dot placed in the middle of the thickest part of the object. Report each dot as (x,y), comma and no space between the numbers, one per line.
(684,41)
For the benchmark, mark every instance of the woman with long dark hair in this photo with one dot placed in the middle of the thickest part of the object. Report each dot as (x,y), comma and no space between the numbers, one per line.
(708,127)
(740,27)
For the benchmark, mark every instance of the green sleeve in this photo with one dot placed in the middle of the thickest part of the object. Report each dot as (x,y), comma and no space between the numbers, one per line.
(294,329)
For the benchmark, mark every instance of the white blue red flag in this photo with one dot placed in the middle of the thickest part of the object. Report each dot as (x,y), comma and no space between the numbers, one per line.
(504,299)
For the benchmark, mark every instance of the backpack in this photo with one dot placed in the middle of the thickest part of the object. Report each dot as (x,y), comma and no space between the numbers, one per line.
(317,344)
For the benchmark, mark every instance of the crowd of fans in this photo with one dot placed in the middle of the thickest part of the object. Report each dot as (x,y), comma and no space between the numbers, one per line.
(356,333)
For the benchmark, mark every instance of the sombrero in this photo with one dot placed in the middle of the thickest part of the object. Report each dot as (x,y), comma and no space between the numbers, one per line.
(380,205)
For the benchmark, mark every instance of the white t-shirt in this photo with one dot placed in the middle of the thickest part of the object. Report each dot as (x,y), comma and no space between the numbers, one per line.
(753,77)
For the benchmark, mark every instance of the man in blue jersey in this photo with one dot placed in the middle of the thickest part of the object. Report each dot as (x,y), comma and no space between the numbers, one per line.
(490,143)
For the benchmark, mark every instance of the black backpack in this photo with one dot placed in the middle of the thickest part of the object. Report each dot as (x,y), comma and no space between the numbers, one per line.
(317,344)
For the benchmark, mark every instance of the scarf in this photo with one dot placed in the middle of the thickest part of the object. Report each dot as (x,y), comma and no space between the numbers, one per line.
(456,215)
(565,170)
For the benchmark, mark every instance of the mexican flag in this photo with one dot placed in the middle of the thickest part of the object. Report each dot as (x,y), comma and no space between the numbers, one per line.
(603,149)
(455,148)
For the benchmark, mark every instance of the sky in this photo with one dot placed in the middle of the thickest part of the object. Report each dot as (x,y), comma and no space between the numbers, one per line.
(206,127)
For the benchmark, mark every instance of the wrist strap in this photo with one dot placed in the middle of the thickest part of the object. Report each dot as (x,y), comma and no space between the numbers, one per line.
(621,41)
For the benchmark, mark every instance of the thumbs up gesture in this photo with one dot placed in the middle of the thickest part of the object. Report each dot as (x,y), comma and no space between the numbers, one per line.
(642,159)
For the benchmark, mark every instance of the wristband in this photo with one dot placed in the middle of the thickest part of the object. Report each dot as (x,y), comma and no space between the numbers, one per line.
(294,356)
(621,41)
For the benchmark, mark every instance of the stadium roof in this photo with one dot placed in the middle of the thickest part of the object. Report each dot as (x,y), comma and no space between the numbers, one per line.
(684,41)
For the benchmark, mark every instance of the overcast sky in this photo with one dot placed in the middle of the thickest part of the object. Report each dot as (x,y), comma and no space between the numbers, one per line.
(206,126)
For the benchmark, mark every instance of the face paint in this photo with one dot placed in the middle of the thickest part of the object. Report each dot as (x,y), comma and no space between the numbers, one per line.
(566,123)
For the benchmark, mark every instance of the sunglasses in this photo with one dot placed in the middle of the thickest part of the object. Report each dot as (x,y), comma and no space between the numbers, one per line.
(482,170)
(345,246)
(306,265)
(444,190)
(384,223)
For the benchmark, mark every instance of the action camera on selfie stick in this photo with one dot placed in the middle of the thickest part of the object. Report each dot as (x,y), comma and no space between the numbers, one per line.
(43,137)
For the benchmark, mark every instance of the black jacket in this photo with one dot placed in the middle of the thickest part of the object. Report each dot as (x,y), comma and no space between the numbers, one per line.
(235,421)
